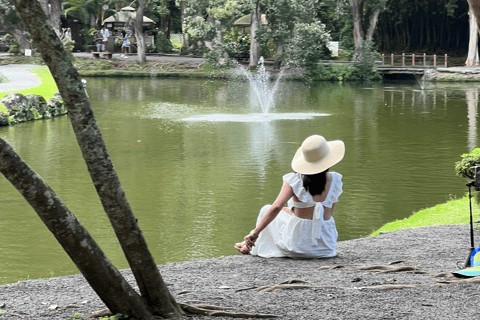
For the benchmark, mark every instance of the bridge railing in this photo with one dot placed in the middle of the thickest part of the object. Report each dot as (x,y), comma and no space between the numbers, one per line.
(409,60)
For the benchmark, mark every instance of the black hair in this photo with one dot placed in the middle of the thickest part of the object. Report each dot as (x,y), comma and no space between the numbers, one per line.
(315,183)
(123,33)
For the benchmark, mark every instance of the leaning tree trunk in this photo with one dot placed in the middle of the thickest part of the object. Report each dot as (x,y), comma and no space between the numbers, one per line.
(372,25)
(142,57)
(218,31)
(208,43)
(254,45)
(102,276)
(472,58)
(182,18)
(152,288)
(357,22)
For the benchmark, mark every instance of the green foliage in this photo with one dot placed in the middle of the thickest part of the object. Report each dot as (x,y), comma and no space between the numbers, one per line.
(309,44)
(163,44)
(466,166)
(177,47)
(14,45)
(236,42)
(366,61)
(77,315)
(220,58)
(198,29)
(68,45)
(3,79)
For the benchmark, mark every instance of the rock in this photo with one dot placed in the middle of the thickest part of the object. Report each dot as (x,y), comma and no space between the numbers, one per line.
(4,118)
(17,104)
(55,106)
(38,106)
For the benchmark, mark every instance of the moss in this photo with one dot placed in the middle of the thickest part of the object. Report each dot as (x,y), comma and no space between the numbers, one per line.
(3,109)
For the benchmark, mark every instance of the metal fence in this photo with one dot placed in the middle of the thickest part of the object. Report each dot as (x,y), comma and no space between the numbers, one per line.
(176,38)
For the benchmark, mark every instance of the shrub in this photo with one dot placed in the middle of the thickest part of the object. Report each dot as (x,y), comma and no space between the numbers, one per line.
(466,166)
(366,61)
(14,45)
(162,43)
(309,44)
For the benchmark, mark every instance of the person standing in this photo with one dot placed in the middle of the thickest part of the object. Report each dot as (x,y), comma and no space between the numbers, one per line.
(125,44)
(105,34)
(68,34)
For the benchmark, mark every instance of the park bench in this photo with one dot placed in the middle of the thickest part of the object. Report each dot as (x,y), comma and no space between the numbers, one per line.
(106,54)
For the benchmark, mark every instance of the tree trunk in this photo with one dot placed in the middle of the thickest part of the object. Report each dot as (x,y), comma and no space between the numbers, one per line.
(475,7)
(208,43)
(141,52)
(279,57)
(182,17)
(103,277)
(111,194)
(357,22)
(472,58)
(56,11)
(53,10)
(254,45)
(219,37)
(373,23)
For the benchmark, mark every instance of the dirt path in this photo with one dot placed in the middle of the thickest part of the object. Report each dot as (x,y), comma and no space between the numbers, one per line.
(19,77)
(328,293)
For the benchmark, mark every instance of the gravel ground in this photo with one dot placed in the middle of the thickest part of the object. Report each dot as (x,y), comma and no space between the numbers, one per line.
(346,294)
(18,78)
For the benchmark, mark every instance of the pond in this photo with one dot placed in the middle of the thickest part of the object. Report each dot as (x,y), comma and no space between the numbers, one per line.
(196,185)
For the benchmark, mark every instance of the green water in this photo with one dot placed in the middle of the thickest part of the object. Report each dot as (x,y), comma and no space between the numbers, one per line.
(196,186)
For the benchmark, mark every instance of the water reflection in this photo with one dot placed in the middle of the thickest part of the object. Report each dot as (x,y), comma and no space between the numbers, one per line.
(472,101)
(196,186)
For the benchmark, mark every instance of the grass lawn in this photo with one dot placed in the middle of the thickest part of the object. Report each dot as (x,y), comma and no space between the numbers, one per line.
(456,211)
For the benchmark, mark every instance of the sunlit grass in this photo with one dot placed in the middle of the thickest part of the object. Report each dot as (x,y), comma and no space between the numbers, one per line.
(456,211)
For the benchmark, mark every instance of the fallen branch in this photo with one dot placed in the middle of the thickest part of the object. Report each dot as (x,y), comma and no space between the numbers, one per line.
(101,313)
(378,268)
(209,310)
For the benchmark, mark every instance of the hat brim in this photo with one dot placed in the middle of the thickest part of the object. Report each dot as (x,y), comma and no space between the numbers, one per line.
(336,154)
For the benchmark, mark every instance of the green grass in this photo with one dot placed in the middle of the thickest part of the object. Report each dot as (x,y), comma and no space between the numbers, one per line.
(456,211)
(46,88)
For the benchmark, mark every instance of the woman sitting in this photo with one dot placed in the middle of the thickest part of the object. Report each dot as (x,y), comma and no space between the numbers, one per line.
(306,228)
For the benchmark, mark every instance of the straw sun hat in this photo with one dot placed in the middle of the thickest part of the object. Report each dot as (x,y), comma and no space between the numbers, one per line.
(317,154)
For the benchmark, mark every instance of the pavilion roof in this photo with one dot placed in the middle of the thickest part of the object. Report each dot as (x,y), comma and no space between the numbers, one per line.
(246,21)
(124,14)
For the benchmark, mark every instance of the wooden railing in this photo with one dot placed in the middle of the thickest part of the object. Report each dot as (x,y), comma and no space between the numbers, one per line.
(413,59)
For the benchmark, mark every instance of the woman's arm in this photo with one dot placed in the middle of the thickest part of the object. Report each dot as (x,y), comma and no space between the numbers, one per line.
(285,194)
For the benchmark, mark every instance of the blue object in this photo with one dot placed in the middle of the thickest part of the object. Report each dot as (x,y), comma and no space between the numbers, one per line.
(475,257)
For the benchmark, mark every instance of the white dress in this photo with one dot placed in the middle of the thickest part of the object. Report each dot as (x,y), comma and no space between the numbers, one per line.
(290,236)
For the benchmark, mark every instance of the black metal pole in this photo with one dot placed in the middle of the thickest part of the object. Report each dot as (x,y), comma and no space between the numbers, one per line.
(472,243)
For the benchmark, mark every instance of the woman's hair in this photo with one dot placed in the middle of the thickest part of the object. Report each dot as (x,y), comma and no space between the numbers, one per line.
(315,183)
(123,33)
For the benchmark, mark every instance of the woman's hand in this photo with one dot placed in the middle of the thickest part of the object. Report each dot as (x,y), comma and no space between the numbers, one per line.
(251,238)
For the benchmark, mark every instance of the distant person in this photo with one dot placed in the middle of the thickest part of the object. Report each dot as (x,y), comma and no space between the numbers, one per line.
(125,44)
(68,34)
(98,40)
(105,34)
(305,228)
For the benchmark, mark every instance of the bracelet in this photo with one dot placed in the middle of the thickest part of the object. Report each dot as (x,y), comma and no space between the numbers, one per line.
(253,234)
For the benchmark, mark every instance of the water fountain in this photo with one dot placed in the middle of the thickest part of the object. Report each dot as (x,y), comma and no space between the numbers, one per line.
(262,98)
